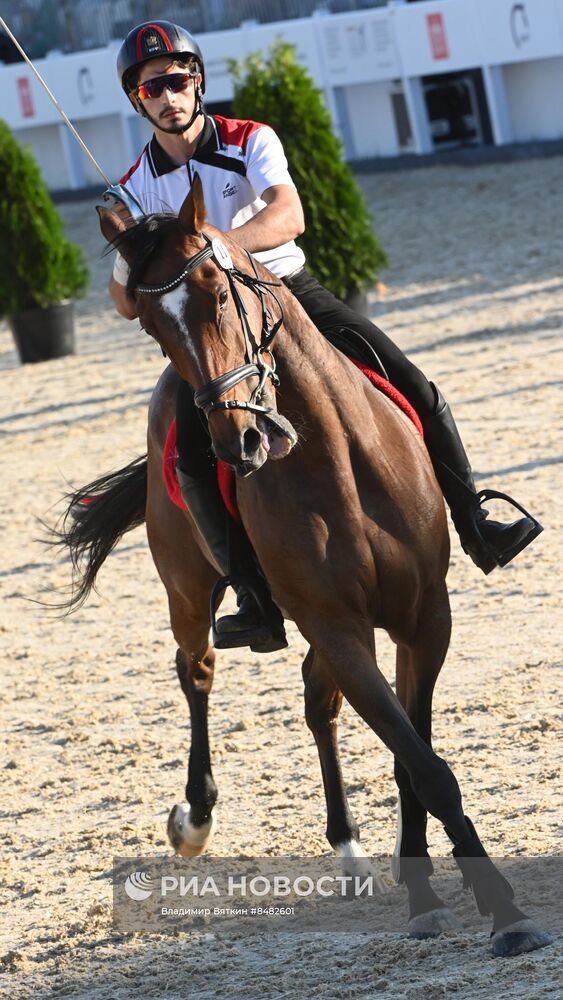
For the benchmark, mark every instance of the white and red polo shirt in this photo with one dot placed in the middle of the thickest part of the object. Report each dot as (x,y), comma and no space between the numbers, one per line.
(236,162)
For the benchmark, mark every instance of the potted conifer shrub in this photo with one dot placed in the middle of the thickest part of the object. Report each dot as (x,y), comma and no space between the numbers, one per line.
(339,242)
(41,271)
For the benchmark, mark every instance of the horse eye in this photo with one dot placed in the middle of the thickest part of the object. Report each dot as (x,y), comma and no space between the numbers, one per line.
(223,296)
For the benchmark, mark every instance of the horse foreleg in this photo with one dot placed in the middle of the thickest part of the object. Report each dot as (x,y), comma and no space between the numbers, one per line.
(354,671)
(418,666)
(190,828)
(188,578)
(323,701)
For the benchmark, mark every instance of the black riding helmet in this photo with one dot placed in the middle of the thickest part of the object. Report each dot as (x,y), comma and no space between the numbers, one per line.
(151,40)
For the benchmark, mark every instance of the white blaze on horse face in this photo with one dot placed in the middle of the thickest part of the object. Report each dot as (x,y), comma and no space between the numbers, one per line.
(174,303)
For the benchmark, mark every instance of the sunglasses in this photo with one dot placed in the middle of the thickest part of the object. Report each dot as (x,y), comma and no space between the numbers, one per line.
(176,82)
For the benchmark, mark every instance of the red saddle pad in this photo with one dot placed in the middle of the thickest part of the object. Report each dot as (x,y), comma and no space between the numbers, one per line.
(225,476)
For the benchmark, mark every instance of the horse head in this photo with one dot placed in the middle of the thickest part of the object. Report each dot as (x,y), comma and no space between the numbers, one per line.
(215,313)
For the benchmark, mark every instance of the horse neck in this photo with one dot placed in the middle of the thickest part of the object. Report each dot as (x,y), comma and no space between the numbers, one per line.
(306,362)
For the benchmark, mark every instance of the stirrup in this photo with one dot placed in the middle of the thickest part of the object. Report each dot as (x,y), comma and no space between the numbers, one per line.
(263,639)
(509,554)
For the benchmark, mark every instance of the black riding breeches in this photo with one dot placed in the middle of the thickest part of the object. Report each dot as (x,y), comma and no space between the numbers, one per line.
(328,314)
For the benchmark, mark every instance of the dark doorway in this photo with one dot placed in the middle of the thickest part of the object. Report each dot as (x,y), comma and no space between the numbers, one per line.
(457,108)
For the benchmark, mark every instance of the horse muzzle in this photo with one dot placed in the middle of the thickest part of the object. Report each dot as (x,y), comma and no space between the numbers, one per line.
(271,436)
(278,435)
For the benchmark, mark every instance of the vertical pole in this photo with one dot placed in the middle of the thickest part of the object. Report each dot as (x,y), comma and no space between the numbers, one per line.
(499,111)
(70,27)
(72,158)
(418,114)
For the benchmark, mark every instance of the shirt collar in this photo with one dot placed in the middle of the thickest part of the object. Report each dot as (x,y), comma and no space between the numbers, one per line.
(160,161)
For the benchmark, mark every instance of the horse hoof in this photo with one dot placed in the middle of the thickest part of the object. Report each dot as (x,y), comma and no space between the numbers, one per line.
(356,864)
(434,922)
(518,938)
(187,839)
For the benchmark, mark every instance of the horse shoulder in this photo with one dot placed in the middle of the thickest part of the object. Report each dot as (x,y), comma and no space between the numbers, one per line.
(162,408)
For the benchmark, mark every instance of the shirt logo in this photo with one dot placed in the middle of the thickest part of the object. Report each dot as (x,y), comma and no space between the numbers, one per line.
(229,190)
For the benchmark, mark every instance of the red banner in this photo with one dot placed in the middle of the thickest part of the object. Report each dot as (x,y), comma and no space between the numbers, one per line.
(437,35)
(26,96)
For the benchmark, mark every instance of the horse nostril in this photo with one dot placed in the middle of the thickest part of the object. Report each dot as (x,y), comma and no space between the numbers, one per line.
(251,441)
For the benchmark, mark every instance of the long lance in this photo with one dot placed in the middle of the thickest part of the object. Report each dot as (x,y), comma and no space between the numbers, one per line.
(117,191)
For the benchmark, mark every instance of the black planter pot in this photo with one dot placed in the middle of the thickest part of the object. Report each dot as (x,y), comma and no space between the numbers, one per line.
(358,301)
(42,334)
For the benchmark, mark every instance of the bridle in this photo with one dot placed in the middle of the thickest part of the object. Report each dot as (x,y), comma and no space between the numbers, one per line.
(207,398)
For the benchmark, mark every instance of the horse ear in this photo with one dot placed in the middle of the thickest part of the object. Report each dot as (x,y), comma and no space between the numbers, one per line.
(192,212)
(113,225)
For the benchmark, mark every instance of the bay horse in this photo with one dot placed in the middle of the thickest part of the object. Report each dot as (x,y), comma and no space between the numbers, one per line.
(348,525)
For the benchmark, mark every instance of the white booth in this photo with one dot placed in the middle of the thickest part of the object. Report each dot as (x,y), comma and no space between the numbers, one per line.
(411,77)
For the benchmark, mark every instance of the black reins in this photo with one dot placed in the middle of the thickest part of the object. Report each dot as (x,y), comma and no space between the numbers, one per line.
(207,398)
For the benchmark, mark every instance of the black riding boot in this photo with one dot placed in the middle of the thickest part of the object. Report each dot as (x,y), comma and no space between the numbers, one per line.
(258,622)
(488,543)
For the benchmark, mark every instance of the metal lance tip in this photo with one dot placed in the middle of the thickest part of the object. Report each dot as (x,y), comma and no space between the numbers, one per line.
(120,193)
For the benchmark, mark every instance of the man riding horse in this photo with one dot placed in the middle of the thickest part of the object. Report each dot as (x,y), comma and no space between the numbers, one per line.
(249,195)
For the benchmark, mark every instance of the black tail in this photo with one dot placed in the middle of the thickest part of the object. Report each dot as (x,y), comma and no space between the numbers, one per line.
(96,518)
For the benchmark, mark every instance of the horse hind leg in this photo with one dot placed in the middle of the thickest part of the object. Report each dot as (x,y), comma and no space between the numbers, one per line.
(513,933)
(191,827)
(418,666)
(323,701)
(348,655)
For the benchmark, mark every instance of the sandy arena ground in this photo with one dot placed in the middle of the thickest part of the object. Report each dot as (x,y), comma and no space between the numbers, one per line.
(95,722)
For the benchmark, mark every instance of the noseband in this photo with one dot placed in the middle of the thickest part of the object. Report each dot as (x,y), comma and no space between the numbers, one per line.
(207,398)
